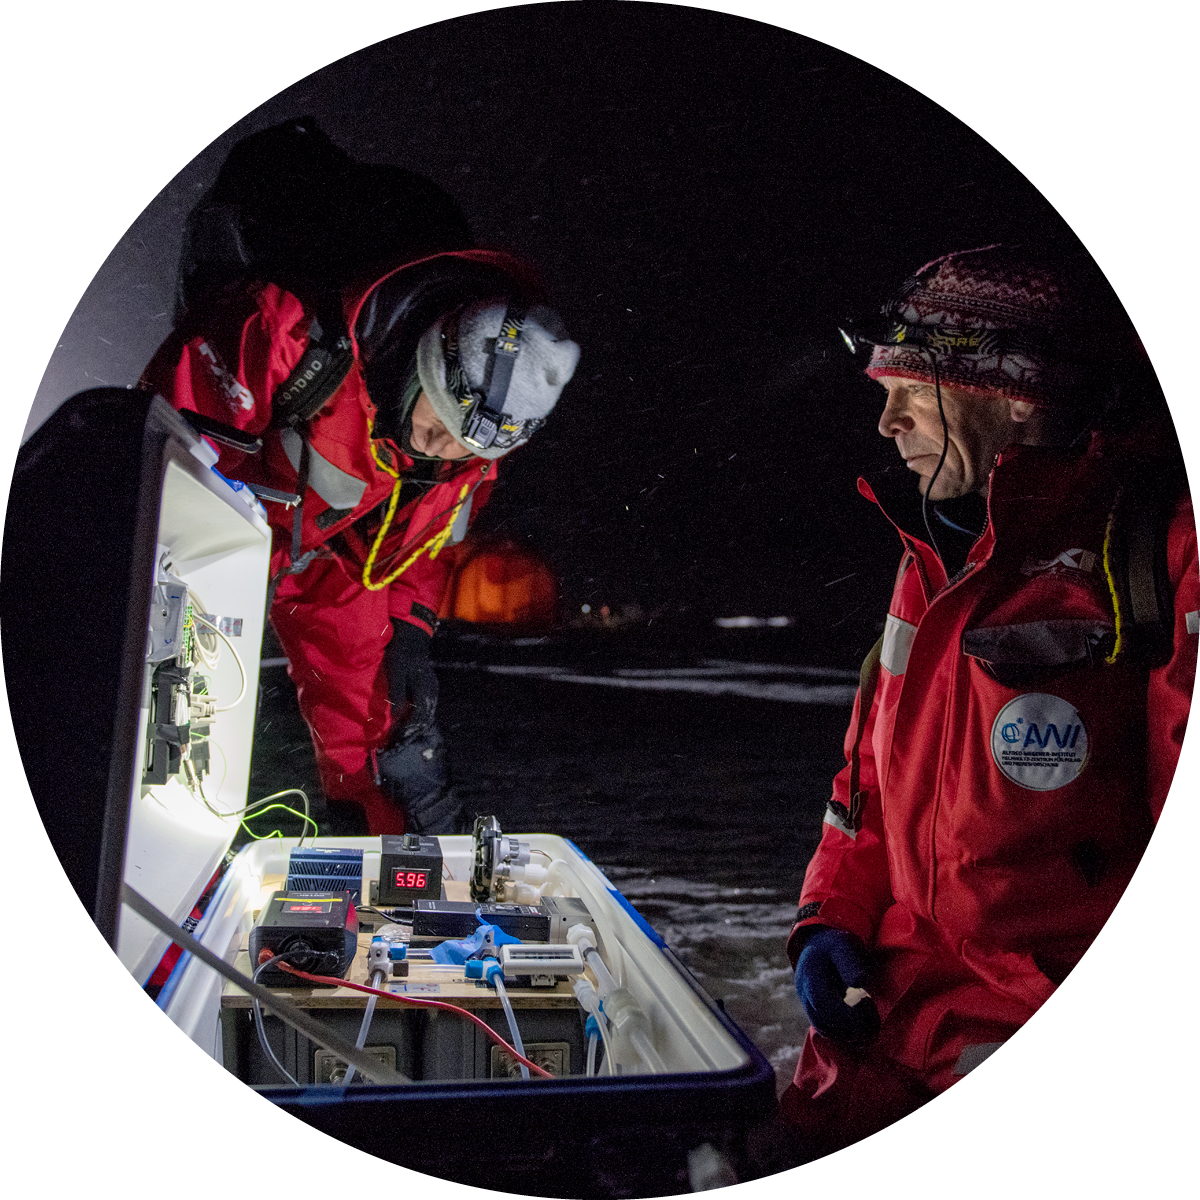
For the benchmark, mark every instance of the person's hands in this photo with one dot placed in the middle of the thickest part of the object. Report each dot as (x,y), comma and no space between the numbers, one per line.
(831,977)
(410,673)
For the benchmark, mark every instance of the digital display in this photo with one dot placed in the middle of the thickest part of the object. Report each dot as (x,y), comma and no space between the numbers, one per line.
(306,906)
(410,879)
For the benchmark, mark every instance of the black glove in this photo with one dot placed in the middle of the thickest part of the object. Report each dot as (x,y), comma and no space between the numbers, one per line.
(410,674)
(412,771)
(831,963)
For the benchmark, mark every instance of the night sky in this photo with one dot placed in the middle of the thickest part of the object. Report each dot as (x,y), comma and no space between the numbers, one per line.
(707,196)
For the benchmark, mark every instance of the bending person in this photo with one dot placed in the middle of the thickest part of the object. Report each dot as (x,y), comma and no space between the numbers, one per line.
(441,367)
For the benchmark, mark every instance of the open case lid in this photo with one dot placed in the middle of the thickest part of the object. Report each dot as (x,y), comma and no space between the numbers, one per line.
(114,505)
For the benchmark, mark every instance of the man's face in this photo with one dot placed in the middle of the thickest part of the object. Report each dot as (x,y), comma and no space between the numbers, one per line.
(430,436)
(978,427)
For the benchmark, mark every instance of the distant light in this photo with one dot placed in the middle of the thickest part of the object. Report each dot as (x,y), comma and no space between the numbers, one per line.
(752,622)
(587,608)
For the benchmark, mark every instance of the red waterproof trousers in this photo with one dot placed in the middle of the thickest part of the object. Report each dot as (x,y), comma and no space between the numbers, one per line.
(334,632)
(939,1020)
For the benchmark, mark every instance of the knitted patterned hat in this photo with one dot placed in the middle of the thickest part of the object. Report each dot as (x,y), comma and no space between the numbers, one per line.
(998,320)
(456,359)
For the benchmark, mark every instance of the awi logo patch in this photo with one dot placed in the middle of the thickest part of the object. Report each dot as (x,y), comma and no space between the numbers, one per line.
(1039,742)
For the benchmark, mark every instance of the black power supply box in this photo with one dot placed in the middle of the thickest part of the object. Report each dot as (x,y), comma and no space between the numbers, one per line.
(435,920)
(410,868)
(319,933)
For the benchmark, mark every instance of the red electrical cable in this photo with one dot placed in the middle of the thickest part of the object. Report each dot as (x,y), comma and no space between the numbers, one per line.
(362,987)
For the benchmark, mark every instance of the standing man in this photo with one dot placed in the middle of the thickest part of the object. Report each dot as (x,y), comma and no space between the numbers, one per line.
(387,415)
(1018,724)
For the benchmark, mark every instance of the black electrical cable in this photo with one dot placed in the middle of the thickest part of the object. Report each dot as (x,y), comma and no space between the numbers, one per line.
(937,387)
(378,912)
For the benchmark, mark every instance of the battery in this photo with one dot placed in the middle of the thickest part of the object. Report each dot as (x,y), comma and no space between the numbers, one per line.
(436,920)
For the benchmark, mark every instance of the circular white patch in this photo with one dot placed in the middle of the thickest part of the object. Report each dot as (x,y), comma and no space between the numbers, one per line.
(1039,742)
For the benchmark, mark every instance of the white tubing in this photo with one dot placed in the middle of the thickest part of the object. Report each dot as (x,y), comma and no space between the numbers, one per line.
(591,1058)
(642,1044)
(562,874)
(586,995)
(628,1021)
(518,1045)
(376,981)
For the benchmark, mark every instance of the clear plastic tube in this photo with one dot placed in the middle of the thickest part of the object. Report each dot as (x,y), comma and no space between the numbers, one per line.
(518,1045)
(586,995)
(642,1044)
(377,978)
(628,1020)
(591,1058)
(604,981)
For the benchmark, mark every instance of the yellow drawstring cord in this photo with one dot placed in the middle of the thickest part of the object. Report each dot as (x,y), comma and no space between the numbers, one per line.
(433,545)
(393,500)
(1112,583)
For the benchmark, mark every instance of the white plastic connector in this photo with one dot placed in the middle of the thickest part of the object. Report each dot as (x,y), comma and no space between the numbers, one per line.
(379,957)
(629,1024)
(583,937)
(626,1018)
(586,995)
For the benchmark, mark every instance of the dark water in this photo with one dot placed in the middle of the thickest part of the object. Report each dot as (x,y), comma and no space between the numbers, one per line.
(702,806)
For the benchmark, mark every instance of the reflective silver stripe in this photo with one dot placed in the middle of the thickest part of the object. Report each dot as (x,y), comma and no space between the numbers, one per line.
(972,1056)
(336,487)
(1193,622)
(897,643)
(460,522)
(831,818)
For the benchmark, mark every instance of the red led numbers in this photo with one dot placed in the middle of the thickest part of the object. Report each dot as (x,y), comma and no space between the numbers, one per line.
(411,879)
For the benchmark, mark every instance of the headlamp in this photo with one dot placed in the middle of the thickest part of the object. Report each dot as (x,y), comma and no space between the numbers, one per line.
(485,424)
(943,339)
(886,329)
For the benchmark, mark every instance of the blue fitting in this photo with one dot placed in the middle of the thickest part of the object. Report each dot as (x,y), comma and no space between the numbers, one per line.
(481,968)
(397,952)
(591,1026)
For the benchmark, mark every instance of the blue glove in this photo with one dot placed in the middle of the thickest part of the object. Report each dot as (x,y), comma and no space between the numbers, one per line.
(832,962)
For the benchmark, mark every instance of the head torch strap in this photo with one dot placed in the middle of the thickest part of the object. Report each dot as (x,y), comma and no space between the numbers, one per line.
(482,425)
(508,346)
(953,341)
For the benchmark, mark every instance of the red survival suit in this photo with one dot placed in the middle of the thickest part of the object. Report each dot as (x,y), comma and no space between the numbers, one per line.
(1013,759)
(334,616)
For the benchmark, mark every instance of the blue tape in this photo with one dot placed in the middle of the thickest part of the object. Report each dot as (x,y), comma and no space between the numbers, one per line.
(638,919)
(455,952)
(168,989)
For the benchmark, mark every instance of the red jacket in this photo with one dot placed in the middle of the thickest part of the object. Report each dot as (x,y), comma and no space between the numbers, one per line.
(230,372)
(1012,772)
